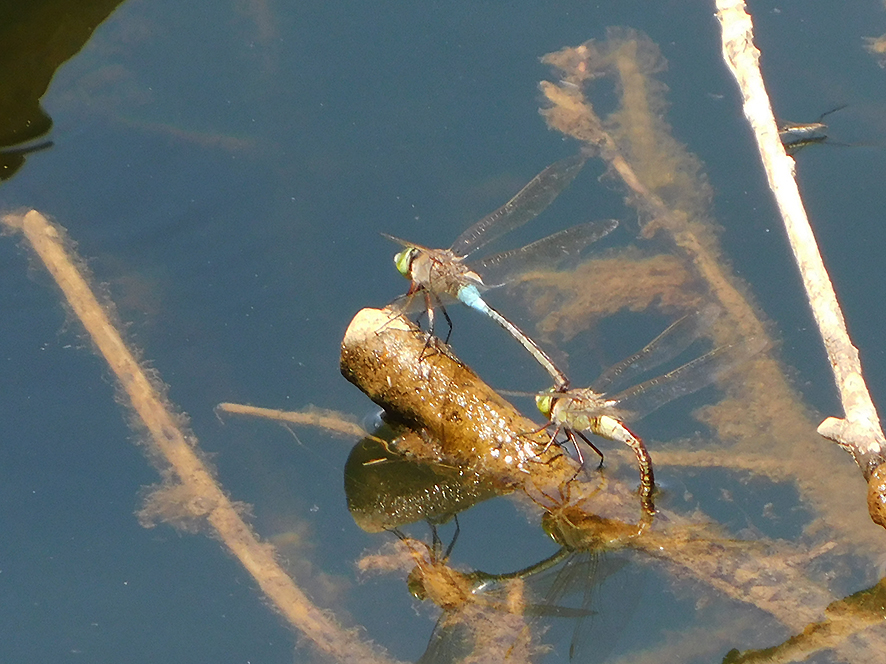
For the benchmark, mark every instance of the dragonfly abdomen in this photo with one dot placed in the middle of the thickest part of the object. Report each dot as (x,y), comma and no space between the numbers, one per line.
(470,295)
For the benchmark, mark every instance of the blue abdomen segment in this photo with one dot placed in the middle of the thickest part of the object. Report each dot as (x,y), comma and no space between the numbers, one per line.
(470,295)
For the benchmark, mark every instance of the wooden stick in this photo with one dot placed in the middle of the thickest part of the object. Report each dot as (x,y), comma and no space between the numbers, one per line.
(315,417)
(859,432)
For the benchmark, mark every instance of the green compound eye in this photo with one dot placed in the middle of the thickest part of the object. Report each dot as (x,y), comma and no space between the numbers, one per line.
(403,260)
(545,404)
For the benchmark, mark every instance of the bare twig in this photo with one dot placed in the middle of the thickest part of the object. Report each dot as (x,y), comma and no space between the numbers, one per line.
(328,420)
(859,432)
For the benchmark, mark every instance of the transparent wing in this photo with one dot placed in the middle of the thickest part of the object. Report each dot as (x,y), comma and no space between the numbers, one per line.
(455,634)
(637,402)
(580,578)
(664,348)
(546,253)
(525,206)
(450,643)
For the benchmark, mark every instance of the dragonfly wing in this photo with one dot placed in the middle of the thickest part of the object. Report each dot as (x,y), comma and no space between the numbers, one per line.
(581,577)
(451,642)
(664,348)
(546,253)
(639,401)
(525,206)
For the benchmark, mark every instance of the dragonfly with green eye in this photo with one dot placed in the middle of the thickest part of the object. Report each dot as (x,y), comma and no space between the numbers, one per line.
(443,273)
(593,409)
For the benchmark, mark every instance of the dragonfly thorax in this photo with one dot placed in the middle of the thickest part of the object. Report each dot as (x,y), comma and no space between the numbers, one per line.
(567,408)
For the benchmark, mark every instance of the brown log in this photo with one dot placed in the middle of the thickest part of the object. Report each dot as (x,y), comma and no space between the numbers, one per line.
(462,421)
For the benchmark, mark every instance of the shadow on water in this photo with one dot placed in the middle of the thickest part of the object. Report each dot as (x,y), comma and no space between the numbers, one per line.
(36,38)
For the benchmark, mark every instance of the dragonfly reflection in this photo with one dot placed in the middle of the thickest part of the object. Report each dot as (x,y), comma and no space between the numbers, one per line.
(593,409)
(439,273)
(484,615)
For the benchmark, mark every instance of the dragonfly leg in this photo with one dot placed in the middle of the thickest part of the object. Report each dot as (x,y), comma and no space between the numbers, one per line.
(432,303)
(593,447)
(436,543)
(550,442)
(448,322)
(429,309)
(570,434)
(454,538)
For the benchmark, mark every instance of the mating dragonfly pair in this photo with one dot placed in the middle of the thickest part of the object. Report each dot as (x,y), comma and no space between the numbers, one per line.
(441,274)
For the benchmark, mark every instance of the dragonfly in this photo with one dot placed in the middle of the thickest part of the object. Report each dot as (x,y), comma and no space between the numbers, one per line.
(797,135)
(443,273)
(593,409)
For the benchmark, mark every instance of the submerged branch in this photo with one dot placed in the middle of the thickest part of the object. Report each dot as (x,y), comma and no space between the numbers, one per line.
(859,432)
(329,420)
(846,619)
(762,412)
(169,439)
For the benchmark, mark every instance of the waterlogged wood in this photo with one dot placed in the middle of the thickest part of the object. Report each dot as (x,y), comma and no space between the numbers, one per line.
(328,420)
(847,624)
(464,422)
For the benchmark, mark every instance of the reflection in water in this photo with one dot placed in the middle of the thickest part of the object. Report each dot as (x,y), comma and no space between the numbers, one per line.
(483,625)
(797,135)
(387,490)
(12,159)
(495,617)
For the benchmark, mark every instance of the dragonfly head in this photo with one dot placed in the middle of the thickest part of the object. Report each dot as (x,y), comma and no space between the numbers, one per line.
(403,261)
(415,583)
